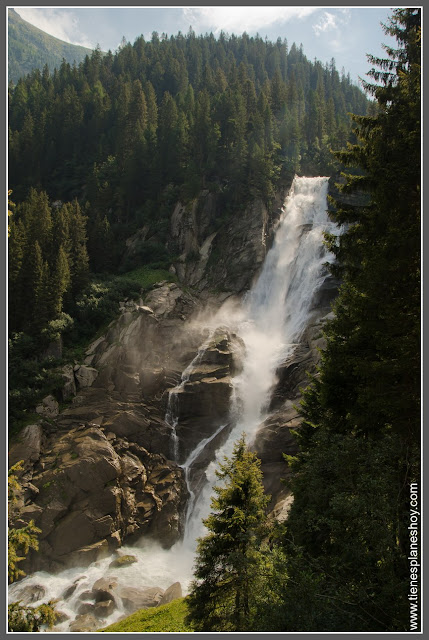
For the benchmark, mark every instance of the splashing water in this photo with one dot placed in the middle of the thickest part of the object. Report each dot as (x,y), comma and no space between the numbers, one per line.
(270,322)
(273,318)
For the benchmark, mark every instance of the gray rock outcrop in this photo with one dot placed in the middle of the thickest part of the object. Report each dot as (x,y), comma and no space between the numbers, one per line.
(92,495)
(134,599)
(49,407)
(173,592)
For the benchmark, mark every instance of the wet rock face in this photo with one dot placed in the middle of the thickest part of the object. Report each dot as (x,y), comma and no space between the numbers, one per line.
(203,404)
(92,495)
(143,352)
(104,471)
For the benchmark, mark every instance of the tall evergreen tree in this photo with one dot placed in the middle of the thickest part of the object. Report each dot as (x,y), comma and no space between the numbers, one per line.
(230,559)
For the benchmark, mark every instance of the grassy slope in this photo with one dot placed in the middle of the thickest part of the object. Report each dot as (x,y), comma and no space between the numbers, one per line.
(30,48)
(167,618)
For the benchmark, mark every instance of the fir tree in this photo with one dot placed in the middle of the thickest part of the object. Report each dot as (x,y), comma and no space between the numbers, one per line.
(230,558)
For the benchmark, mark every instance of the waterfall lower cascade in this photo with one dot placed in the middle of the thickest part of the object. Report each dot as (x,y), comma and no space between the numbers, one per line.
(270,322)
(172,413)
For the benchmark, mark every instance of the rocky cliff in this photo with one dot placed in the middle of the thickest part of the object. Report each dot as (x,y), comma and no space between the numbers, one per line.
(107,469)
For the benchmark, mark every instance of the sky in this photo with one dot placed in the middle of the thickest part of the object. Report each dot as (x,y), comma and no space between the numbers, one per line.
(346,34)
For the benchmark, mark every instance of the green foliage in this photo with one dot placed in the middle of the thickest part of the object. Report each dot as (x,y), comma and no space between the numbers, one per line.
(30,619)
(231,559)
(20,540)
(347,540)
(168,618)
(30,378)
(58,327)
(48,263)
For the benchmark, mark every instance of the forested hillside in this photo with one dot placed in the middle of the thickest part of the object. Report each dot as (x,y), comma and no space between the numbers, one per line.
(30,48)
(99,150)
(232,114)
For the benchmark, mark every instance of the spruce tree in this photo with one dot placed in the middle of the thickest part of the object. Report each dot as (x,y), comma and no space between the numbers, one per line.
(230,558)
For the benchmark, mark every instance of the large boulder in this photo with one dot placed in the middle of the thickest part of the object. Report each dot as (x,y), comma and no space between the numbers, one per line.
(27,445)
(85,622)
(85,375)
(173,592)
(103,590)
(134,599)
(93,496)
(30,594)
(49,407)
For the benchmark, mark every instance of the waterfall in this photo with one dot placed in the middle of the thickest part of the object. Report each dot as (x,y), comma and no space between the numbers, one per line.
(270,322)
(273,317)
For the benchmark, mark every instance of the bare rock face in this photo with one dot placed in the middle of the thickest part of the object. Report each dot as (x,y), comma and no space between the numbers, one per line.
(49,407)
(93,495)
(28,446)
(85,375)
(226,256)
(203,402)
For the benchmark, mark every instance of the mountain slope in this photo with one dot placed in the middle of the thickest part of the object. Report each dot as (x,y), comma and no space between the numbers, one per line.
(30,48)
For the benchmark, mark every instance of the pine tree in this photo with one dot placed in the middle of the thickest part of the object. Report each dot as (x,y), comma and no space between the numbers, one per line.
(78,254)
(230,558)
(60,281)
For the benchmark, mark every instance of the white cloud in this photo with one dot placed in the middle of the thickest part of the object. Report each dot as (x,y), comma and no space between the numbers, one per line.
(240,19)
(58,23)
(331,27)
(327,22)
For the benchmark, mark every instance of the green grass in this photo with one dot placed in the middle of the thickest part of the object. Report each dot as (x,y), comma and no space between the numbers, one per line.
(146,277)
(167,618)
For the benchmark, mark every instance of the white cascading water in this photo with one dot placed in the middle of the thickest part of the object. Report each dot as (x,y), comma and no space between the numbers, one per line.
(172,413)
(270,322)
(273,317)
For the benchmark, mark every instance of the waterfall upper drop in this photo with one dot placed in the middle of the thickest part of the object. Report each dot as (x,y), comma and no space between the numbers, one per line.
(273,316)
(277,308)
